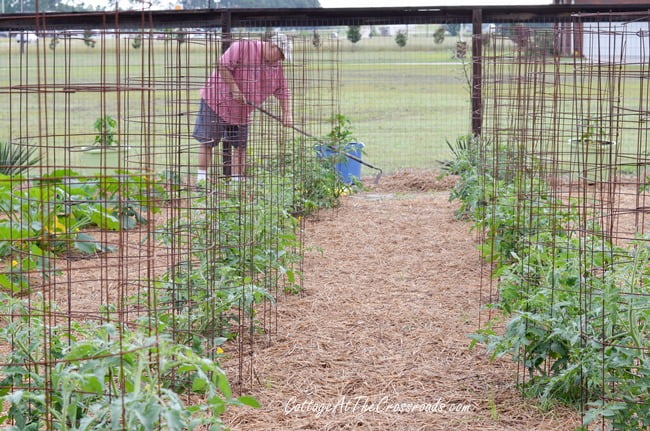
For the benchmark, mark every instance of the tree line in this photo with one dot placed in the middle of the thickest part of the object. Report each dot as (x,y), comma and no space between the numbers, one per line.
(27,6)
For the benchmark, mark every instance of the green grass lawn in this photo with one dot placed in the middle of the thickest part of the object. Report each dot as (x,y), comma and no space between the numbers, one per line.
(403,103)
(550,107)
(404,114)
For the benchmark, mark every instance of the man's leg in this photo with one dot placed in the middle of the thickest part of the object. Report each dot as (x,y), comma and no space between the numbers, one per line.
(226,157)
(236,138)
(204,158)
(205,132)
(239,162)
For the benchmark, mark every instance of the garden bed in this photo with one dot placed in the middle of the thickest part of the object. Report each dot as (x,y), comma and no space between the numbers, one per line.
(392,289)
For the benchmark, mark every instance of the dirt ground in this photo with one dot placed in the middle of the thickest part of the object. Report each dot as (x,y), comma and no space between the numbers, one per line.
(378,340)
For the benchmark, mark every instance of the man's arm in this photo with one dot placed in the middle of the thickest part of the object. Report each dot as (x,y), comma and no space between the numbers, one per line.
(283,94)
(287,116)
(228,60)
(226,76)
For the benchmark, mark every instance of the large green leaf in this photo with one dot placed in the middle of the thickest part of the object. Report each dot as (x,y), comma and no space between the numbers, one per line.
(249,401)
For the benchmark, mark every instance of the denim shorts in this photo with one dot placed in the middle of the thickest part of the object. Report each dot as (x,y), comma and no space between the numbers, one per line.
(210,129)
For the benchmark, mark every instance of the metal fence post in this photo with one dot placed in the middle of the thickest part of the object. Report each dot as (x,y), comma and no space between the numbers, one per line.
(477,63)
(226,29)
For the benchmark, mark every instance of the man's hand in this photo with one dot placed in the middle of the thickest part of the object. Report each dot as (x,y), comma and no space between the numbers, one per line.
(287,119)
(238,96)
(235,92)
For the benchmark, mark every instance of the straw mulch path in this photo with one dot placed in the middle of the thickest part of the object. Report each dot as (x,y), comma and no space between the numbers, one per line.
(378,340)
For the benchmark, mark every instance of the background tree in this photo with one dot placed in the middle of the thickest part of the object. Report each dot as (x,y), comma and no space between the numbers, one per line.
(137,42)
(198,4)
(453,29)
(54,42)
(269,3)
(400,39)
(315,39)
(89,40)
(461,49)
(439,35)
(14,6)
(354,33)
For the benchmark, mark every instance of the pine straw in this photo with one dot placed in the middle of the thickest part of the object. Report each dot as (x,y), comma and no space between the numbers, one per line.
(384,319)
(414,180)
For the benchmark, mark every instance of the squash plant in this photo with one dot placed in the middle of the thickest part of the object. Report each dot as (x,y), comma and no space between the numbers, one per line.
(45,217)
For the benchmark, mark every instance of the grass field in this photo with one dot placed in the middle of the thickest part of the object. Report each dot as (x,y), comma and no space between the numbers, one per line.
(403,103)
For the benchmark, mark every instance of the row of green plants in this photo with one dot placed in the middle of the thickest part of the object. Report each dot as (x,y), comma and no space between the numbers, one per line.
(162,371)
(231,260)
(321,185)
(572,308)
(108,377)
(245,254)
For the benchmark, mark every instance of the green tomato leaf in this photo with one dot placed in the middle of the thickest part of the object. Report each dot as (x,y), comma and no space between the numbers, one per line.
(199,385)
(247,400)
(224,386)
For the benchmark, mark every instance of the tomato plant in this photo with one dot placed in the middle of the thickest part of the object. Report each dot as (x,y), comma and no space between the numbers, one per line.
(576,307)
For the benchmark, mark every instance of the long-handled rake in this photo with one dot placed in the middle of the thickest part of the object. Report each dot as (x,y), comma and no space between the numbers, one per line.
(328,146)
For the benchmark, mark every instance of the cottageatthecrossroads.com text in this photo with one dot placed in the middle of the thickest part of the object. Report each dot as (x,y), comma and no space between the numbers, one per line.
(364,404)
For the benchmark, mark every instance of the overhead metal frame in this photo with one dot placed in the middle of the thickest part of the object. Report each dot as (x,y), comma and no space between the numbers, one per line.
(311,17)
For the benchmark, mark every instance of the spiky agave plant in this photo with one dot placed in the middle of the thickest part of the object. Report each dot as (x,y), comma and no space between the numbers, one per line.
(16,159)
(465,154)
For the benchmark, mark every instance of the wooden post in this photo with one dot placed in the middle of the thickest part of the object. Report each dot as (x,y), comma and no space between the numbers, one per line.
(477,71)
(226,29)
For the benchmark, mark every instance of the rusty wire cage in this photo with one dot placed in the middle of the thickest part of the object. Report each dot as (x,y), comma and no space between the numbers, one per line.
(120,272)
(564,216)
(117,262)
(122,268)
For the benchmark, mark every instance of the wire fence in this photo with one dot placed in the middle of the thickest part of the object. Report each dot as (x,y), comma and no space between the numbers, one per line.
(125,275)
(406,101)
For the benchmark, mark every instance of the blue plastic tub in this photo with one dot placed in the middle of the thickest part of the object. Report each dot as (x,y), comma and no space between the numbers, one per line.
(348,169)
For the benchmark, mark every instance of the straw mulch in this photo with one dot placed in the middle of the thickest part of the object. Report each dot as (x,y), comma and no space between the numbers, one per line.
(378,340)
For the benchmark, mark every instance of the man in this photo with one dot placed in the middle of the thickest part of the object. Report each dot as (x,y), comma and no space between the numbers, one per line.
(246,75)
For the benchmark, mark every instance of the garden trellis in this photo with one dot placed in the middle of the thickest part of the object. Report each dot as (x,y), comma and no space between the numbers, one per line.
(120,274)
(563,213)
